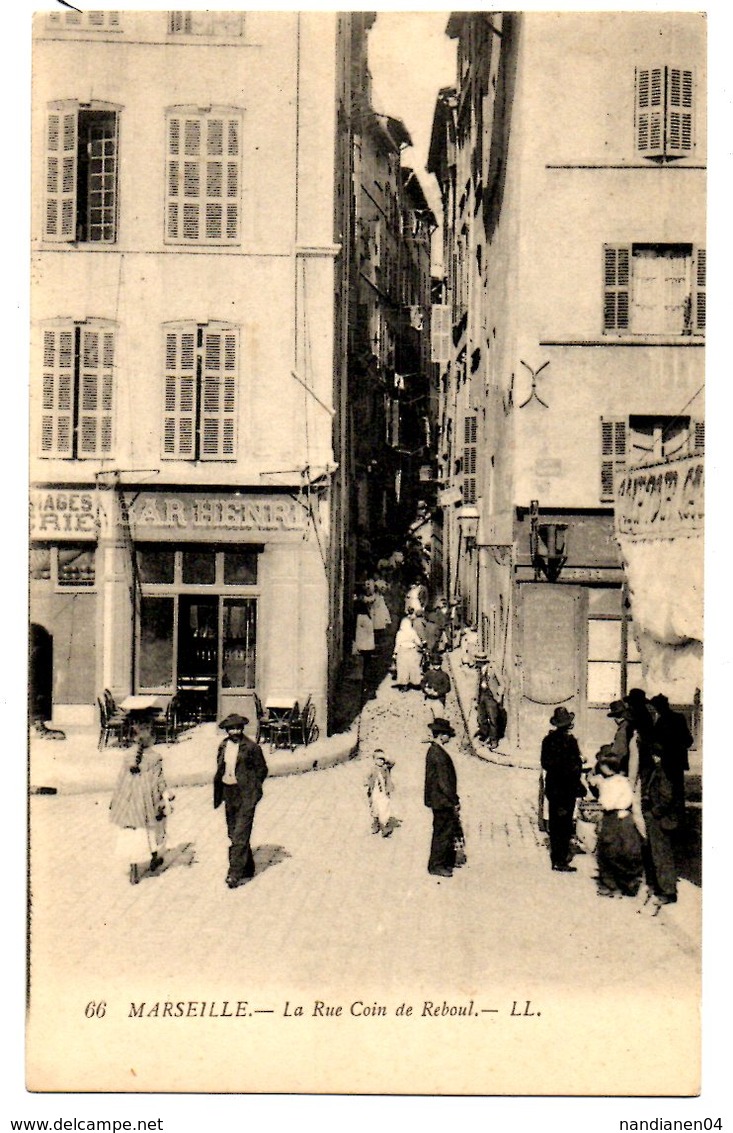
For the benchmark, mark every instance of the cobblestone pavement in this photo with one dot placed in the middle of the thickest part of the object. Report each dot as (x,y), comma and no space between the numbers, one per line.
(331,901)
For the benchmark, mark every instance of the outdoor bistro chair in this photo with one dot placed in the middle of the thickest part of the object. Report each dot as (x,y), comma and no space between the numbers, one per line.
(264,721)
(281,727)
(303,728)
(112,724)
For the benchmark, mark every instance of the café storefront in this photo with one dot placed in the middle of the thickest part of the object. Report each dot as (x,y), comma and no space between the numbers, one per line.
(210,596)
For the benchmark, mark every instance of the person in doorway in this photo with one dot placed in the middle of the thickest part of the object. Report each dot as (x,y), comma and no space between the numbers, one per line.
(436,682)
(441,796)
(240,772)
(408,655)
(563,767)
(141,800)
(619,847)
(672,736)
(379,788)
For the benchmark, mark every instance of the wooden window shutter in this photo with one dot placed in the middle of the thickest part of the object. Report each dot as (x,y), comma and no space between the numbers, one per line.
(649,111)
(699,277)
(440,333)
(203,178)
(616,284)
(61,163)
(613,454)
(96,385)
(219,390)
(679,111)
(57,392)
(179,393)
(469,459)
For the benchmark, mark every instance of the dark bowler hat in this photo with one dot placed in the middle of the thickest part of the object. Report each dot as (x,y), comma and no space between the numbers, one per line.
(441,727)
(232,721)
(659,701)
(636,696)
(618,710)
(611,758)
(561,718)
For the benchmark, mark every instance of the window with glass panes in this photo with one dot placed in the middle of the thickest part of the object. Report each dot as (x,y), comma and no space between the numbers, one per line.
(223,24)
(67,565)
(203,176)
(226,580)
(613,661)
(654,289)
(77,389)
(639,440)
(81,172)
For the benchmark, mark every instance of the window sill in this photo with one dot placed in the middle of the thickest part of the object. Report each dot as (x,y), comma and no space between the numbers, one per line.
(686,340)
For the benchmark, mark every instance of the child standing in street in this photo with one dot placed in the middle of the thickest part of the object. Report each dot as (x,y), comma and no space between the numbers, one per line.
(379,788)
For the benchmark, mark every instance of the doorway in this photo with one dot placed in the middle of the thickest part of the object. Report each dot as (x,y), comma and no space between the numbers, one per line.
(198,654)
(40,699)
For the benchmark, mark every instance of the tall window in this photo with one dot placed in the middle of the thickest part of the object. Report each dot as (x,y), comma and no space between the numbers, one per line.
(664,112)
(81,173)
(77,389)
(639,440)
(200,391)
(614,664)
(441,328)
(203,174)
(653,289)
(469,459)
(206,23)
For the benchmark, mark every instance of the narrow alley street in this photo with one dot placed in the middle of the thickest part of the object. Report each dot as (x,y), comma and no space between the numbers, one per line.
(337,914)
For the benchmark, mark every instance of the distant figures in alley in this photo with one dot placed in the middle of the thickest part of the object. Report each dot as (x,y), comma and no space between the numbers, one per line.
(240,772)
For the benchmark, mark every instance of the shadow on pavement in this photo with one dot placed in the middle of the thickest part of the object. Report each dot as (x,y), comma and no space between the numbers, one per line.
(266,856)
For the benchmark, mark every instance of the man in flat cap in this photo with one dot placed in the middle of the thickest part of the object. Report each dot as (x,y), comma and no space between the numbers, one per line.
(441,795)
(240,772)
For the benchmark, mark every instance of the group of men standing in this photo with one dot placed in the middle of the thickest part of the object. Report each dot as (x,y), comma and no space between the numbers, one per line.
(649,750)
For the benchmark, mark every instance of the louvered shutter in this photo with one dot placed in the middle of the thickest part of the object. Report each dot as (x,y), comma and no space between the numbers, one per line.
(613,454)
(179,393)
(469,460)
(61,162)
(57,392)
(650,82)
(679,112)
(96,384)
(440,333)
(616,282)
(203,178)
(218,394)
(699,276)
(697,437)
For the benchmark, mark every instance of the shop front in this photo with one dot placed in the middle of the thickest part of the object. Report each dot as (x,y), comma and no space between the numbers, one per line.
(63,593)
(215,598)
(231,601)
(574,638)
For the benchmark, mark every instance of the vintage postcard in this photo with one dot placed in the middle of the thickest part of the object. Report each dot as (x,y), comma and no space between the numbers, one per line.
(367,461)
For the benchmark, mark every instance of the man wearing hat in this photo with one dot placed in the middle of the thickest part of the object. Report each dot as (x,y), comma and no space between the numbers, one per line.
(563,767)
(671,736)
(620,713)
(441,796)
(436,682)
(240,772)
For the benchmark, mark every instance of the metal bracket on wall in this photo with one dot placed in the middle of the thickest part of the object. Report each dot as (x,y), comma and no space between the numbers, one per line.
(533,392)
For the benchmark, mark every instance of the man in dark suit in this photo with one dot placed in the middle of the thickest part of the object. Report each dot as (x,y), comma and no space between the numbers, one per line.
(240,772)
(441,796)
